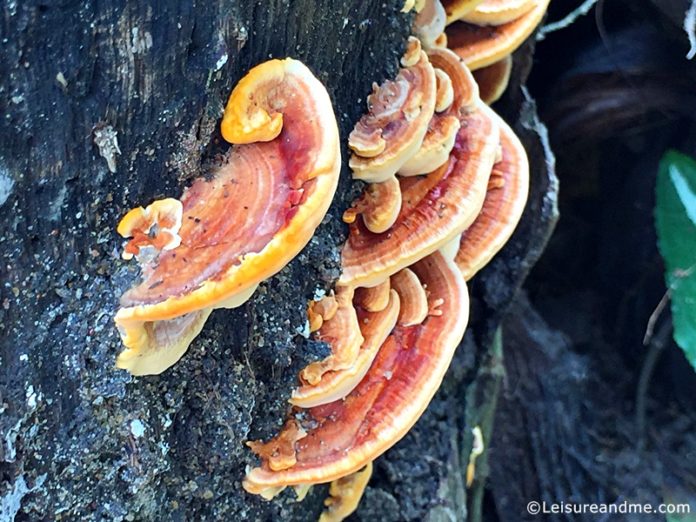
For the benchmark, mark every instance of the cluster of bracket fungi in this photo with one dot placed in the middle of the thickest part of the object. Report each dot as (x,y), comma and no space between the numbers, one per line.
(446,183)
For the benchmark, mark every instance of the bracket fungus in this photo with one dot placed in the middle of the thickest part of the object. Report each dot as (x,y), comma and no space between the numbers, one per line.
(345,494)
(373,299)
(502,209)
(379,206)
(493,79)
(345,435)
(435,208)
(455,9)
(480,46)
(414,299)
(430,23)
(398,114)
(342,332)
(498,12)
(259,209)
(336,384)
(151,229)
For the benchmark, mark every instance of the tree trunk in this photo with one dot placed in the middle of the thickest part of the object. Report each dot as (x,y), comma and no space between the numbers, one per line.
(109,105)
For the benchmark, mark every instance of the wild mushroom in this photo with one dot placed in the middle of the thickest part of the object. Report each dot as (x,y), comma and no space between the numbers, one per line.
(345,435)
(442,131)
(480,46)
(399,111)
(505,201)
(379,206)
(342,333)
(455,9)
(493,79)
(336,384)
(373,299)
(257,212)
(435,208)
(414,299)
(152,229)
(430,23)
(498,12)
(345,494)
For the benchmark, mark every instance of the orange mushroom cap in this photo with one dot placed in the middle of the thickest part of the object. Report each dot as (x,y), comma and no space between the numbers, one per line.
(430,23)
(345,494)
(379,205)
(498,12)
(279,452)
(414,300)
(435,208)
(343,436)
(493,79)
(399,111)
(152,229)
(455,9)
(334,385)
(373,299)
(502,209)
(342,333)
(258,211)
(481,46)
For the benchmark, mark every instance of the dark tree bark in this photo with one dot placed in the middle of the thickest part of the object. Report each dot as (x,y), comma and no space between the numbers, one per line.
(109,105)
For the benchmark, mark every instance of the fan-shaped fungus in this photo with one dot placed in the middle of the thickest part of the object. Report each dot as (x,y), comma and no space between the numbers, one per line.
(152,229)
(414,299)
(342,333)
(430,23)
(345,435)
(379,206)
(505,201)
(373,299)
(455,9)
(493,79)
(257,212)
(345,494)
(398,115)
(481,46)
(498,12)
(435,208)
(334,385)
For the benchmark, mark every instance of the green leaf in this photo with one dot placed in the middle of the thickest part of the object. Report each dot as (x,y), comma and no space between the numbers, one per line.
(675,219)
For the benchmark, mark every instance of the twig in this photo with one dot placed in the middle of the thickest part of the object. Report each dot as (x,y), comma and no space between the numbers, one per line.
(564,22)
(657,345)
(654,316)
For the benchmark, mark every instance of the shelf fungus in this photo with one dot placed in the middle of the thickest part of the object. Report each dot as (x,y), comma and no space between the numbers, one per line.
(373,299)
(336,384)
(345,494)
(414,299)
(151,230)
(398,114)
(455,9)
(241,226)
(493,79)
(480,46)
(435,208)
(498,12)
(342,333)
(343,436)
(378,206)
(430,23)
(502,209)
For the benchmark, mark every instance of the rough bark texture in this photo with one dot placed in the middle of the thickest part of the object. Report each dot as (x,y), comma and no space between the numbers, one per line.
(110,105)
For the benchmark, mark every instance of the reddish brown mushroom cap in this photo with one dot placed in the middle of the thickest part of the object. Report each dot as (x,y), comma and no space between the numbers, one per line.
(151,229)
(493,79)
(480,46)
(505,201)
(398,114)
(343,436)
(498,12)
(435,207)
(258,211)
(373,299)
(334,385)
